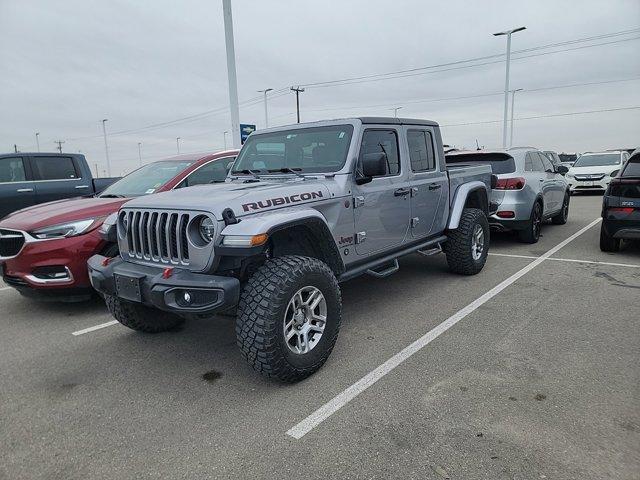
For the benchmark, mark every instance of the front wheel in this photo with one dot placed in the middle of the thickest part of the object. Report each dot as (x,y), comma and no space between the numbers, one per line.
(468,246)
(140,317)
(289,317)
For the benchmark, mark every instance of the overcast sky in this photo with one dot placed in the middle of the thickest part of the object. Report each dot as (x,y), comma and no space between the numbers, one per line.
(69,64)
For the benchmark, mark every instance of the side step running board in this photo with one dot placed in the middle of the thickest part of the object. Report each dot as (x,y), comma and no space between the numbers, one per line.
(395,266)
(430,251)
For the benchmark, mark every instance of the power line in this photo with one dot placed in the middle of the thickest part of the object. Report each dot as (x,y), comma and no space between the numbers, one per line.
(438,68)
(564,114)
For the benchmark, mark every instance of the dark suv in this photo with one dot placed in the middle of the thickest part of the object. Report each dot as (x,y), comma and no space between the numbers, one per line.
(621,207)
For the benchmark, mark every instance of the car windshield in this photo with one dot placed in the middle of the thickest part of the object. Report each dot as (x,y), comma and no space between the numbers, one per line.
(500,162)
(596,160)
(306,150)
(146,179)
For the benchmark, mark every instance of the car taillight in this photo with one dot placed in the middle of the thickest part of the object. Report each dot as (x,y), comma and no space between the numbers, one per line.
(516,183)
(620,209)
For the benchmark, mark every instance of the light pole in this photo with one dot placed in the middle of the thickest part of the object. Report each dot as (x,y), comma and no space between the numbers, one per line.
(140,152)
(266,115)
(178,144)
(231,73)
(106,146)
(298,91)
(513,97)
(38,140)
(225,138)
(395,111)
(508,33)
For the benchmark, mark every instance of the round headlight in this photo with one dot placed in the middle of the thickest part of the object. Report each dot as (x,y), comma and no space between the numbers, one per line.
(207,229)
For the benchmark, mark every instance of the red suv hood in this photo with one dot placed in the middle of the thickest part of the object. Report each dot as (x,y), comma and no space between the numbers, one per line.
(61,211)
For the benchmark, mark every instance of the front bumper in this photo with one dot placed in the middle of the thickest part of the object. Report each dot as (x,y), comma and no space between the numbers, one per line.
(588,185)
(66,254)
(207,293)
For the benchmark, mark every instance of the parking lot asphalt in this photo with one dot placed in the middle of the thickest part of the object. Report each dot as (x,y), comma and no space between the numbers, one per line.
(538,380)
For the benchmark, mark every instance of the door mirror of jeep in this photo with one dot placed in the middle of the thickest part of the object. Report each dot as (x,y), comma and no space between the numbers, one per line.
(561,169)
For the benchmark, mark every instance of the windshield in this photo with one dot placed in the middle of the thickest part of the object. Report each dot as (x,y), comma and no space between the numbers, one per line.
(500,162)
(146,179)
(314,149)
(601,159)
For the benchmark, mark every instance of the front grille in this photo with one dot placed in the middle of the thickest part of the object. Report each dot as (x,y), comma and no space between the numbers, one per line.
(156,236)
(11,242)
(590,177)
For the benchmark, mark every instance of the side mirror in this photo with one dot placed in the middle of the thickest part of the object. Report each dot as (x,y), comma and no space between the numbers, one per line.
(373,165)
(562,169)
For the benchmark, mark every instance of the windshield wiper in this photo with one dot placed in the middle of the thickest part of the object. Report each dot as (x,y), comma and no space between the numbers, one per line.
(111,195)
(287,170)
(246,171)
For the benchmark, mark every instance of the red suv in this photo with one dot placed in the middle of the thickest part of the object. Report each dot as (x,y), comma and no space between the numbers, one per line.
(44,249)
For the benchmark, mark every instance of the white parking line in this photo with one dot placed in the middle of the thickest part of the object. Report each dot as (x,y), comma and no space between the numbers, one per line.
(94,328)
(336,403)
(568,260)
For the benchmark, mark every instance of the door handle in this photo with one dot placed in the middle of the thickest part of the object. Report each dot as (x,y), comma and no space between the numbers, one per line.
(434,186)
(24,190)
(541,179)
(82,186)
(401,192)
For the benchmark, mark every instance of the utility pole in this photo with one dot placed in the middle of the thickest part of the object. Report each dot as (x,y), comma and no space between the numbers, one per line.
(15,148)
(38,140)
(266,115)
(97,173)
(178,144)
(508,33)
(513,98)
(106,146)
(140,152)
(231,73)
(298,90)
(395,111)
(225,138)
(59,142)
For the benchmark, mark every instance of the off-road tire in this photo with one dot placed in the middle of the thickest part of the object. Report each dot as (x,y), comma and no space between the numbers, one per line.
(607,242)
(140,317)
(458,246)
(563,214)
(529,233)
(261,312)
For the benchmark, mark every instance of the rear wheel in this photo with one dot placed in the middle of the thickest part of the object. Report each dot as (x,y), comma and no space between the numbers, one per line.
(468,245)
(563,215)
(141,318)
(531,233)
(607,242)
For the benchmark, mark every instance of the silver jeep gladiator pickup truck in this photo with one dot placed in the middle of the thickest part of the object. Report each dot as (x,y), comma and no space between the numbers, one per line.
(304,208)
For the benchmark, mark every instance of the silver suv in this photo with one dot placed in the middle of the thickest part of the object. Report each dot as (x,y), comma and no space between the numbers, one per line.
(530,189)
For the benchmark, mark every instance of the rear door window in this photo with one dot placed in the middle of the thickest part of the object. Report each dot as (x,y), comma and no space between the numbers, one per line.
(421,151)
(500,162)
(547,166)
(12,170)
(54,168)
(533,162)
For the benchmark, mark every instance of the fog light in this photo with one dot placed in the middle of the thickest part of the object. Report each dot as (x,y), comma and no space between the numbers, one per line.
(506,214)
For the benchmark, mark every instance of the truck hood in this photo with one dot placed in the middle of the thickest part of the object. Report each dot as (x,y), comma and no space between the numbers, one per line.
(61,211)
(242,198)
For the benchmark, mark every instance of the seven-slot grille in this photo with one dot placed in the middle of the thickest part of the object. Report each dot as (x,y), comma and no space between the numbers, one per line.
(156,236)
(11,242)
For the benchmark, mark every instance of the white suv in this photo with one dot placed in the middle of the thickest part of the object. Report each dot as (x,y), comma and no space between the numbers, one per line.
(593,171)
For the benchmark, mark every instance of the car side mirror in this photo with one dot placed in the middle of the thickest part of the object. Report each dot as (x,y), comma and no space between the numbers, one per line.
(373,165)
(561,169)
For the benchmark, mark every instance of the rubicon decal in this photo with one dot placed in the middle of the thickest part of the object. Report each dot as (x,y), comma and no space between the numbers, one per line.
(275,202)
